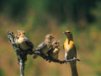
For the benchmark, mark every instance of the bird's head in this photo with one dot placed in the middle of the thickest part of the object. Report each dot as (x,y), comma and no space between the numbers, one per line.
(20,33)
(68,34)
(48,39)
(55,44)
(49,36)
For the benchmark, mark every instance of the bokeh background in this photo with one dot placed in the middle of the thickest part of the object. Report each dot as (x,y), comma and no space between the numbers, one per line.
(40,17)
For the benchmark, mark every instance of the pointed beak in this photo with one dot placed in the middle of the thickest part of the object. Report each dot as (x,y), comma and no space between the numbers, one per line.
(63,32)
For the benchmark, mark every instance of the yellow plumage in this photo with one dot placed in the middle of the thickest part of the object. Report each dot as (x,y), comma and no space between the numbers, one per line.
(68,45)
(70,51)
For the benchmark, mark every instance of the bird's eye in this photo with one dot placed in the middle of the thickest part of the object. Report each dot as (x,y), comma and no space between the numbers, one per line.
(68,32)
(56,42)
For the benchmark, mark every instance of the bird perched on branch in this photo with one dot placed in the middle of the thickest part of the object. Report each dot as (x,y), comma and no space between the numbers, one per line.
(49,47)
(70,51)
(23,42)
(52,46)
(55,49)
(46,44)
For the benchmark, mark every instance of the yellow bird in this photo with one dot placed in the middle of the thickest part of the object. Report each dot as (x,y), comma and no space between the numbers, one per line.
(70,51)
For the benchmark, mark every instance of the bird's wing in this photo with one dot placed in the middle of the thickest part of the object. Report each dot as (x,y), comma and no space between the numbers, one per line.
(29,43)
(41,46)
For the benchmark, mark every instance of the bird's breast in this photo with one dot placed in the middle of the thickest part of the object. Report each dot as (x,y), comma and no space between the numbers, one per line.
(20,40)
(66,46)
(24,46)
(22,43)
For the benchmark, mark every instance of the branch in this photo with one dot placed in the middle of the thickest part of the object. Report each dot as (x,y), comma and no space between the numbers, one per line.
(42,46)
(50,59)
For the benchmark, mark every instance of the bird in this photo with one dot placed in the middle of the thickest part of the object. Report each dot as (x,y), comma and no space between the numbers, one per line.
(70,51)
(46,45)
(49,39)
(52,46)
(49,47)
(23,42)
(55,49)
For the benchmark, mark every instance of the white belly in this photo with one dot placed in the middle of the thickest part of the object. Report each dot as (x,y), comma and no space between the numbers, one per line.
(21,42)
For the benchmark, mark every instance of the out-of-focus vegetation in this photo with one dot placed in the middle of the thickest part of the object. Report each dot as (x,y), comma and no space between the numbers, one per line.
(40,17)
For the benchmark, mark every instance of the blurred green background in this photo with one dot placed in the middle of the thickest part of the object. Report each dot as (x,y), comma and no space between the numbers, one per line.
(40,17)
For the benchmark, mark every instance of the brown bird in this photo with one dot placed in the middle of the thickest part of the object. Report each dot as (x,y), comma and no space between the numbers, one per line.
(44,46)
(23,42)
(49,47)
(70,51)
(55,49)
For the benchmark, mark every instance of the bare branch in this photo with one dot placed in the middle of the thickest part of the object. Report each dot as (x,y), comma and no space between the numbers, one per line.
(50,59)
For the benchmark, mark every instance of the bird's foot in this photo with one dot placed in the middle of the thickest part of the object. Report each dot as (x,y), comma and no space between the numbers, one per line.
(73,59)
(37,52)
(34,56)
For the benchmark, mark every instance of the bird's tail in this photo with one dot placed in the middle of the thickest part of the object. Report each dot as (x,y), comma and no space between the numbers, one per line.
(73,68)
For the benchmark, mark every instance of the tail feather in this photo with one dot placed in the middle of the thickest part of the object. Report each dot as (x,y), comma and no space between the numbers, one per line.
(73,68)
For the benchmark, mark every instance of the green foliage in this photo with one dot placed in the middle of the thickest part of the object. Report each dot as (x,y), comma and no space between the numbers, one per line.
(62,10)
(2,72)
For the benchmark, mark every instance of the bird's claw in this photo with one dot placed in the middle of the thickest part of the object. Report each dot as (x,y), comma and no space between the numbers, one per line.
(73,59)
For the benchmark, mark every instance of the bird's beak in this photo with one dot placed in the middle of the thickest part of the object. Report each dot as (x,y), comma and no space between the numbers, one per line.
(64,32)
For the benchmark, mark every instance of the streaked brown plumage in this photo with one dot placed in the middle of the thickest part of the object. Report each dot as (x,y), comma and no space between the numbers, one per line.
(49,47)
(55,49)
(23,42)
